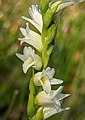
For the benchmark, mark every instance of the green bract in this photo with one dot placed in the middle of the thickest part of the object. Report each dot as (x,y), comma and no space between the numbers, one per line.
(39,114)
(51,34)
(44,5)
(49,14)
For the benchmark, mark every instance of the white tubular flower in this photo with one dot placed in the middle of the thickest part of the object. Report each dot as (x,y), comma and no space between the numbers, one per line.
(30,59)
(65,3)
(51,102)
(31,38)
(45,79)
(36,17)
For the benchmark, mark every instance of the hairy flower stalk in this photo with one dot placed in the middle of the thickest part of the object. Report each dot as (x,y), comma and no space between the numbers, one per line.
(43,101)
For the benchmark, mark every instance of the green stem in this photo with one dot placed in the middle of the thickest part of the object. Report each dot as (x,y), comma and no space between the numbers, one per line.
(30,106)
(44,33)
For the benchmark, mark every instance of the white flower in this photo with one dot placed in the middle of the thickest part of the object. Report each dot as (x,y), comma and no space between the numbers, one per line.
(31,38)
(51,110)
(51,102)
(65,3)
(45,79)
(30,59)
(36,17)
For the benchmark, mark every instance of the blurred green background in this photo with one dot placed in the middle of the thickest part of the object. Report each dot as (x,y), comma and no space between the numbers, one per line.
(68,59)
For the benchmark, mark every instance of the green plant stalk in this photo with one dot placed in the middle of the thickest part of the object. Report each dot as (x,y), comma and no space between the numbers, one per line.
(30,106)
(44,33)
(48,36)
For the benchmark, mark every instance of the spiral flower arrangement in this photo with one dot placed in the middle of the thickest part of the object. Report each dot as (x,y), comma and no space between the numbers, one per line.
(43,101)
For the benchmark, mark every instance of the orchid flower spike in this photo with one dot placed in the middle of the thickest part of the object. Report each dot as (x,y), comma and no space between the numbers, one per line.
(31,37)
(51,102)
(30,59)
(36,17)
(45,79)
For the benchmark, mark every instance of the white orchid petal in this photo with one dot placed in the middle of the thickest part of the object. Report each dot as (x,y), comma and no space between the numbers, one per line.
(64,109)
(20,56)
(37,78)
(27,64)
(26,52)
(62,96)
(56,103)
(32,33)
(64,5)
(49,72)
(32,42)
(49,111)
(33,23)
(23,31)
(55,81)
(37,65)
(30,52)
(42,99)
(38,62)
(55,92)
(46,85)
(35,15)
